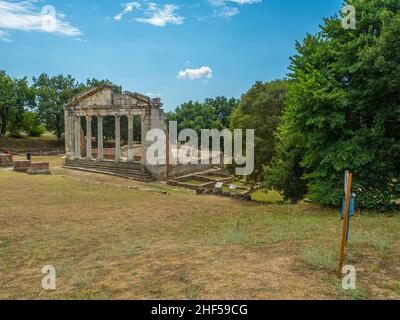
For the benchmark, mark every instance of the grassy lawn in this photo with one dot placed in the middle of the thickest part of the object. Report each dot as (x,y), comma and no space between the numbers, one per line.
(270,197)
(194,182)
(45,143)
(111,242)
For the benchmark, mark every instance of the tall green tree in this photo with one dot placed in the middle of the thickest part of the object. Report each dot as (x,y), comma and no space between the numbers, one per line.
(284,172)
(93,82)
(261,109)
(6,100)
(23,101)
(52,93)
(344,103)
(16,97)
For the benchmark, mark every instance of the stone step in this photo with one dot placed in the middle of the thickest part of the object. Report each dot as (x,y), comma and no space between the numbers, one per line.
(108,165)
(116,170)
(129,170)
(122,172)
(134,177)
(112,164)
(100,165)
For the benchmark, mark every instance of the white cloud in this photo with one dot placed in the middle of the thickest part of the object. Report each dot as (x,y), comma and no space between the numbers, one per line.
(160,16)
(194,74)
(226,12)
(246,1)
(226,8)
(27,16)
(128,7)
(154,14)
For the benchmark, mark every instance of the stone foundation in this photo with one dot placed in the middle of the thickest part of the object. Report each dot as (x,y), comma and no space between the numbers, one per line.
(6,160)
(22,165)
(39,168)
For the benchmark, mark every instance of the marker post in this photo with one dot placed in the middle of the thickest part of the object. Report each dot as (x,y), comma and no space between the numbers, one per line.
(349,179)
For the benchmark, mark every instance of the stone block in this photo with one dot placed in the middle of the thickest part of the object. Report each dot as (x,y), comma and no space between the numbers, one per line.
(6,160)
(22,165)
(39,168)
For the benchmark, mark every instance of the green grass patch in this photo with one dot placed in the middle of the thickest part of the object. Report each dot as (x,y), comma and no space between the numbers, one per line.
(270,197)
(194,182)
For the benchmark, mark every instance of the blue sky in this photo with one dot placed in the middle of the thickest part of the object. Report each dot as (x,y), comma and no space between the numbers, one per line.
(177,50)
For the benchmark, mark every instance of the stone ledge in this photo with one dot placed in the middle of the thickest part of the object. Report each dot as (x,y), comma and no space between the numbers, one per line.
(39,168)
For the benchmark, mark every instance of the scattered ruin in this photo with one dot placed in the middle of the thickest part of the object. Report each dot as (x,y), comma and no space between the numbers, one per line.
(6,160)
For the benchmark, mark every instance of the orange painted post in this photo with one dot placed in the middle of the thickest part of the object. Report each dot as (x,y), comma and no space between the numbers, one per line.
(345,223)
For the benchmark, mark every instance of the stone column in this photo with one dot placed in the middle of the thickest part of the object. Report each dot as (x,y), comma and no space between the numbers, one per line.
(69,134)
(67,130)
(89,154)
(146,124)
(100,135)
(117,138)
(130,138)
(77,137)
(71,137)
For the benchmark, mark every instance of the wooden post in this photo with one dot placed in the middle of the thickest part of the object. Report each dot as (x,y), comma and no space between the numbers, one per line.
(345,223)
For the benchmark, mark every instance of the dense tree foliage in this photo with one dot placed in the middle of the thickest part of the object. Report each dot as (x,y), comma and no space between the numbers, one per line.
(52,93)
(344,110)
(210,114)
(16,97)
(6,100)
(260,109)
(32,125)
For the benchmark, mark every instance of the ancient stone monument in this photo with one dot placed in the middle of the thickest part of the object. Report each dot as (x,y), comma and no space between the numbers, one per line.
(100,102)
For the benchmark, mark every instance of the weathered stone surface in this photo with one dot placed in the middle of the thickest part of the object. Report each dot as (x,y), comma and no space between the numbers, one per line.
(39,168)
(22,165)
(6,160)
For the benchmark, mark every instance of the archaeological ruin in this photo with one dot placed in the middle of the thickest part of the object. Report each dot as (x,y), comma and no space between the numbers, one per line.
(125,161)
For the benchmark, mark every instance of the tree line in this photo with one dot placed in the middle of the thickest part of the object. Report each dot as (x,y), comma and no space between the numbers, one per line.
(37,108)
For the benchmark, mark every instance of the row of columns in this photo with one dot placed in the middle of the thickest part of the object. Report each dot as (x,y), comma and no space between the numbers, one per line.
(100,148)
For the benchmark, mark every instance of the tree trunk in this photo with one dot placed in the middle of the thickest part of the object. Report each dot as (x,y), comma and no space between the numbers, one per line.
(3,128)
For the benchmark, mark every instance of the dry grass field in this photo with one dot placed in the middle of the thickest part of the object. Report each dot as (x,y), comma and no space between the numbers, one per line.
(110,238)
